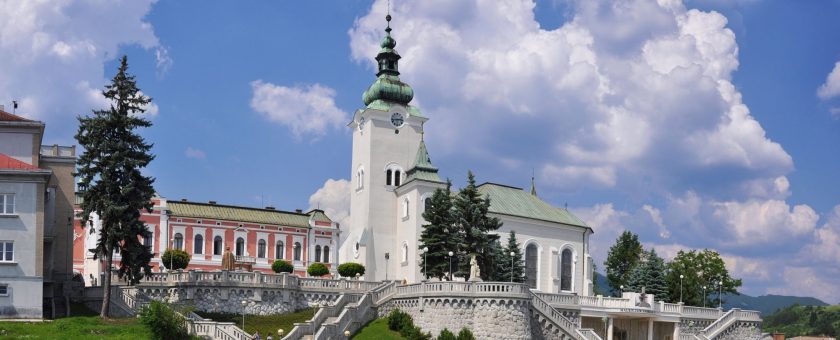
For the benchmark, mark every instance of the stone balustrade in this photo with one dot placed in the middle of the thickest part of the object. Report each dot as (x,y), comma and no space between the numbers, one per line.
(464,289)
(613,304)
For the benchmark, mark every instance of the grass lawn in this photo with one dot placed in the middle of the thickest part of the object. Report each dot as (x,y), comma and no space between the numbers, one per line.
(377,330)
(76,327)
(265,324)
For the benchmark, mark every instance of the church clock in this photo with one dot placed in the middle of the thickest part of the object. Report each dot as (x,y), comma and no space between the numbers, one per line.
(397,119)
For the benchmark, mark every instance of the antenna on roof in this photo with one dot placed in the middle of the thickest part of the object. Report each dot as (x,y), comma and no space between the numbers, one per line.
(14,106)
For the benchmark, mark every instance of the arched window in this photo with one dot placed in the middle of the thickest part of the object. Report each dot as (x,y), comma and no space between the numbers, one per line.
(217,245)
(198,245)
(427,203)
(404,252)
(279,250)
(397,178)
(566,270)
(388,177)
(326,254)
(405,207)
(178,241)
(531,265)
(360,178)
(317,253)
(147,239)
(297,251)
(240,246)
(261,249)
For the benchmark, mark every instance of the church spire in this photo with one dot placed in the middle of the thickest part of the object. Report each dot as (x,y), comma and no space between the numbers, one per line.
(388,86)
(533,186)
(423,168)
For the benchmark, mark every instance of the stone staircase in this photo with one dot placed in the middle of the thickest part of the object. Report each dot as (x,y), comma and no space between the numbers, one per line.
(557,326)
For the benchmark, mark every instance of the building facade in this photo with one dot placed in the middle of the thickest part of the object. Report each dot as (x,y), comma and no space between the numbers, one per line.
(394,177)
(256,236)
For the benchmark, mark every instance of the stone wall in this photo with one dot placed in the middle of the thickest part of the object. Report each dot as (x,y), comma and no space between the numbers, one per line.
(742,330)
(229,299)
(487,318)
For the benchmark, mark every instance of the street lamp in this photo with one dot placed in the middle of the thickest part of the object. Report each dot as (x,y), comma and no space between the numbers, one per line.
(425,252)
(280,333)
(387,256)
(720,291)
(347,334)
(704,296)
(243,314)
(450,266)
(512,254)
(681,280)
(621,287)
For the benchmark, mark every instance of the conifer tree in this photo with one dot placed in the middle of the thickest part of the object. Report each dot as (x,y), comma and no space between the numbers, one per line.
(505,261)
(649,273)
(621,259)
(439,235)
(109,170)
(470,216)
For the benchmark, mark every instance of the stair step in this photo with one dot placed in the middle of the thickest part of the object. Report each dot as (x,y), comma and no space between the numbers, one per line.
(330,320)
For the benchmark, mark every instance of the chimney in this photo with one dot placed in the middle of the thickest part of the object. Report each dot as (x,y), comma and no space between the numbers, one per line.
(299,211)
(212,202)
(269,208)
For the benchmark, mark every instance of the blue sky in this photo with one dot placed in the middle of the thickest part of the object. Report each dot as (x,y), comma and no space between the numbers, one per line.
(695,124)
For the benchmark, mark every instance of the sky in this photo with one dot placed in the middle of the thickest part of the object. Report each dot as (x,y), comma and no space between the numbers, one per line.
(695,124)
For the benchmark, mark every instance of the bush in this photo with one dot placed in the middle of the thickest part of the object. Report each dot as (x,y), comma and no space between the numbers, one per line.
(350,269)
(163,322)
(317,269)
(445,334)
(180,259)
(465,334)
(401,322)
(281,266)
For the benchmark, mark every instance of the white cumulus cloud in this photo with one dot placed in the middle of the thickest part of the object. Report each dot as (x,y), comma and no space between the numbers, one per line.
(334,199)
(306,110)
(831,87)
(194,153)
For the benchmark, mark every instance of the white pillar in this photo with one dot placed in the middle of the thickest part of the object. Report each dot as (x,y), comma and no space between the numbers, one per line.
(650,329)
(610,329)
(676,330)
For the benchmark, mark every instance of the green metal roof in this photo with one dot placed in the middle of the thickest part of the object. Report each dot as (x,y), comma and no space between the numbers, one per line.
(244,214)
(512,201)
(423,168)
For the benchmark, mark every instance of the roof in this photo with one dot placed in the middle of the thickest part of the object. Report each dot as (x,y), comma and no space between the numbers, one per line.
(423,168)
(7,162)
(245,214)
(507,200)
(9,117)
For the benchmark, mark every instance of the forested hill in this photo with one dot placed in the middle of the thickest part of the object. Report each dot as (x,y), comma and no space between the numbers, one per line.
(799,320)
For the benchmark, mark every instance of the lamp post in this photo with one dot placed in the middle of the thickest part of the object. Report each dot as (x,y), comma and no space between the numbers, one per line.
(347,334)
(425,252)
(704,296)
(512,254)
(243,314)
(720,291)
(621,287)
(681,281)
(280,333)
(450,266)
(387,256)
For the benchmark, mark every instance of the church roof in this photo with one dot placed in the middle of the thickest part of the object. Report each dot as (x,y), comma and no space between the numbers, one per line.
(245,214)
(423,168)
(388,86)
(506,200)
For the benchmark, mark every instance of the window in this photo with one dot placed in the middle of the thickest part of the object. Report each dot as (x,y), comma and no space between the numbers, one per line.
(261,249)
(405,252)
(7,251)
(531,265)
(326,254)
(317,253)
(566,270)
(217,245)
(297,251)
(405,208)
(279,250)
(397,178)
(178,241)
(360,178)
(7,204)
(198,245)
(240,246)
(147,239)
(388,177)
(4,290)
(427,203)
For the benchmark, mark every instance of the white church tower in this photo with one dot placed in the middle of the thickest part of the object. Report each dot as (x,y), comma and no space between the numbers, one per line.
(392,176)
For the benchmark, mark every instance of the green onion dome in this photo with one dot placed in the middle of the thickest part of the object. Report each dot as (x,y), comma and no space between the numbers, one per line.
(387,85)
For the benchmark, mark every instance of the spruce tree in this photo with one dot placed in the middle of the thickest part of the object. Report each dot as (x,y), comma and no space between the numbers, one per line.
(650,274)
(505,261)
(477,229)
(110,171)
(621,259)
(439,235)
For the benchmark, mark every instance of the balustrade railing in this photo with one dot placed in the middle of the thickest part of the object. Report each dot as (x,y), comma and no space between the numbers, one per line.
(471,288)
(701,312)
(588,334)
(721,323)
(567,326)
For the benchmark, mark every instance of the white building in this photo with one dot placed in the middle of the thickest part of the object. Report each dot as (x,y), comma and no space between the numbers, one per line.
(393,177)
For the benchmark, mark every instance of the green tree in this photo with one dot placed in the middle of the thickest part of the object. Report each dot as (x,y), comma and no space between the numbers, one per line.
(621,259)
(350,269)
(477,229)
(699,268)
(317,269)
(505,261)
(163,322)
(650,274)
(282,266)
(109,170)
(176,258)
(439,235)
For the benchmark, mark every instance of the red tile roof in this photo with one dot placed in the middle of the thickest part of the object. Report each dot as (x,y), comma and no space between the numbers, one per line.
(8,117)
(7,162)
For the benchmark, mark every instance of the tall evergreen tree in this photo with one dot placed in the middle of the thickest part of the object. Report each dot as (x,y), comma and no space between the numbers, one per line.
(650,274)
(470,212)
(621,259)
(439,235)
(110,171)
(505,261)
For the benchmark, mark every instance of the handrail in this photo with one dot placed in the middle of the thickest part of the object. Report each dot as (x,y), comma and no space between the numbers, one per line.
(555,317)
(588,334)
(716,326)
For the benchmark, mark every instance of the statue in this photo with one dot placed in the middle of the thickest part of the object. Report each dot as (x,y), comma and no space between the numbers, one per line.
(643,300)
(475,271)
(228,260)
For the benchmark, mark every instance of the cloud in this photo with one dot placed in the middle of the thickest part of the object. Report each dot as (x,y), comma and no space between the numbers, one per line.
(306,110)
(163,62)
(190,152)
(334,199)
(826,246)
(765,222)
(831,87)
(53,53)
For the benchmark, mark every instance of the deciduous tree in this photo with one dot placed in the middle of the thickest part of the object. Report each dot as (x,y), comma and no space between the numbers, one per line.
(621,259)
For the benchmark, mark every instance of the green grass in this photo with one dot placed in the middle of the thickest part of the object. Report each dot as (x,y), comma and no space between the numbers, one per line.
(377,330)
(265,324)
(76,327)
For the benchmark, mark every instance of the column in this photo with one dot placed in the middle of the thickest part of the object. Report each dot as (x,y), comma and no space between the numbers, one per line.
(650,329)
(610,329)
(676,330)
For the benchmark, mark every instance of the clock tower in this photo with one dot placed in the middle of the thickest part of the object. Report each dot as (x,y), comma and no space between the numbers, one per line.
(388,188)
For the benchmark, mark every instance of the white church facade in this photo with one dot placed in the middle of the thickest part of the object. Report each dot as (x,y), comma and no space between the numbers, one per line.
(393,178)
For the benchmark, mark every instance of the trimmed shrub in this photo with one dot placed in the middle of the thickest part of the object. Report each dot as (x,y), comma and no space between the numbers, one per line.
(179,259)
(465,334)
(281,266)
(163,322)
(350,269)
(317,269)
(445,334)
(397,320)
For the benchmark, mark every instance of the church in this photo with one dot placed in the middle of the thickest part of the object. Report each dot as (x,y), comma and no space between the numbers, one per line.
(393,178)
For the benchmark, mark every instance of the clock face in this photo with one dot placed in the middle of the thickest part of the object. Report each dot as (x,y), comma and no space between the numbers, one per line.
(397,119)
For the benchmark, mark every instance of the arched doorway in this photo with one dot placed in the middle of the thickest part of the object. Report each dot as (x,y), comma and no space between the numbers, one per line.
(531,252)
